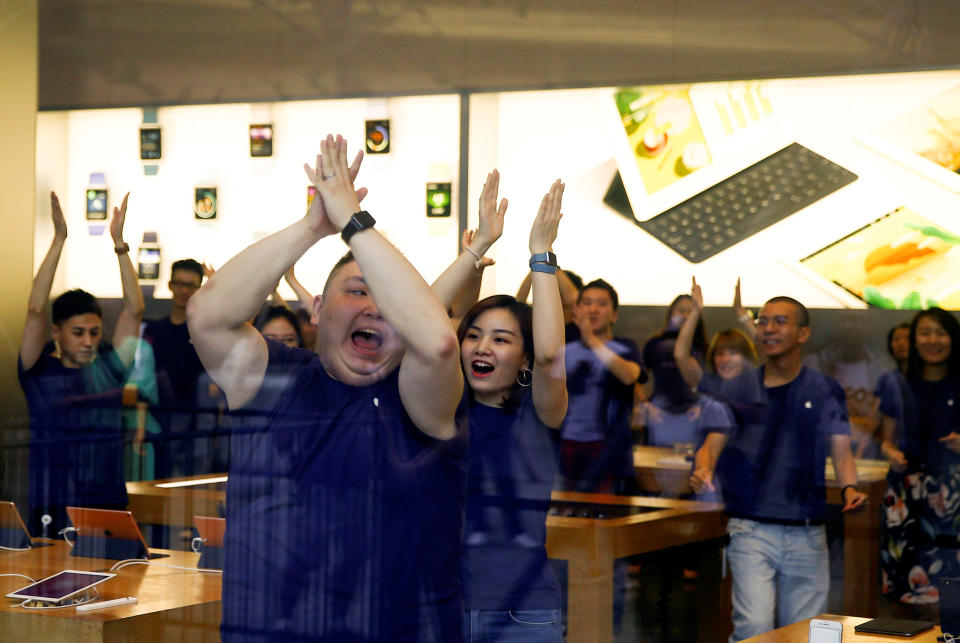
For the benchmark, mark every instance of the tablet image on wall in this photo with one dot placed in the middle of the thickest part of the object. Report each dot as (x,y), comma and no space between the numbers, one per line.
(925,139)
(902,260)
(674,141)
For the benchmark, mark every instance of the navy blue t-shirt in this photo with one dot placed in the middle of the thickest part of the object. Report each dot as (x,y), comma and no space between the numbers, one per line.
(177,363)
(663,427)
(513,462)
(773,466)
(76,430)
(937,409)
(343,519)
(599,404)
(187,412)
(890,389)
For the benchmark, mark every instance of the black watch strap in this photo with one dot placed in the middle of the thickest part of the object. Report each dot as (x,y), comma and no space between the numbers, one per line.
(359,221)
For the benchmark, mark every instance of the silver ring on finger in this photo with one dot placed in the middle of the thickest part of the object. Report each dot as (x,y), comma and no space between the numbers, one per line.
(329,176)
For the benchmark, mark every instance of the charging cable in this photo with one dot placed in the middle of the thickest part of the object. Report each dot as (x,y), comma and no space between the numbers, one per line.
(63,532)
(139,561)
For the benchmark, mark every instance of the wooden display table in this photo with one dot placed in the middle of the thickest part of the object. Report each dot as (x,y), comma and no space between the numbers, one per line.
(589,545)
(660,470)
(799,632)
(174,604)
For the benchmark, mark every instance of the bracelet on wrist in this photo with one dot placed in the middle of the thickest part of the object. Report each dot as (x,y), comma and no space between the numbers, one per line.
(122,250)
(478,262)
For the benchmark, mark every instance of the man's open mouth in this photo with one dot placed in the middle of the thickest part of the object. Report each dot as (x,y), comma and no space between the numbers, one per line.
(366,340)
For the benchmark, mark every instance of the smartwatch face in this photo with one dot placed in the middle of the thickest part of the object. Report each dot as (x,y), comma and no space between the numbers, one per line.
(150,143)
(96,204)
(261,140)
(438,199)
(378,137)
(205,203)
(148,263)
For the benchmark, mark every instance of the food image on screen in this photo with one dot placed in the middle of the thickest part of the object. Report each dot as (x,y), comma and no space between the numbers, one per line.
(900,261)
(664,134)
(931,130)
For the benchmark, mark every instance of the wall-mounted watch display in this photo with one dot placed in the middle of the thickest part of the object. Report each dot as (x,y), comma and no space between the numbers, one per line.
(261,140)
(150,143)
(438,199)
(205,203)
(148,263)
(96,204)
(378,137)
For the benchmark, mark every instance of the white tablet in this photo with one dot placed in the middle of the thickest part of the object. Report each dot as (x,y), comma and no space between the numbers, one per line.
(60,586)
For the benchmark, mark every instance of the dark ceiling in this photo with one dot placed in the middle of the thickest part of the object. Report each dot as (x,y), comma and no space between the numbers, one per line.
(96,53)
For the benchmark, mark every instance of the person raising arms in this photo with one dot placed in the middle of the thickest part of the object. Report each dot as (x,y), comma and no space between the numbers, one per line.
(348,471)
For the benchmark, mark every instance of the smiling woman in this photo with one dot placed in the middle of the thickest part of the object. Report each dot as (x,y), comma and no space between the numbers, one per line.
(921,441)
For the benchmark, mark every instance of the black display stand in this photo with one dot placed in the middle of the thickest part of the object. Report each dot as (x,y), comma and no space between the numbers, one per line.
(110,548)
(211,558)
(14,538)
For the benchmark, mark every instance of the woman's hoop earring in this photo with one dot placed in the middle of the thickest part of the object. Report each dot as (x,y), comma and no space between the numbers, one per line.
(525,377)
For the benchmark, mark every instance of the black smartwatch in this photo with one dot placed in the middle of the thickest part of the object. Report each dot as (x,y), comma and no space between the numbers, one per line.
(359,221)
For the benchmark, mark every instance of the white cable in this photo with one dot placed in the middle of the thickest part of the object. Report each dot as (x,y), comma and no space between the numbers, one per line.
(63,532)
(20,576)
(83,601)
(136,561)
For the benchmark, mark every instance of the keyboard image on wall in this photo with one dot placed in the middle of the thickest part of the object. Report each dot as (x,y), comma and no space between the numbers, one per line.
(755,198)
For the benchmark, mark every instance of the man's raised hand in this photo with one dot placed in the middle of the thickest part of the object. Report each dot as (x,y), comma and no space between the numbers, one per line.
(317,212)
(116,223)
(59,222)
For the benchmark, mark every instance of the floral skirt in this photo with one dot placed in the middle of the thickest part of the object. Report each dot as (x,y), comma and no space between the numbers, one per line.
(919,527)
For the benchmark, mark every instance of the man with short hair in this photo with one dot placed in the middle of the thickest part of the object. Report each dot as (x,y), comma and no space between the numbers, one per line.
(348,472)
(596,449)
(186,410)
(74,387)
(772,470)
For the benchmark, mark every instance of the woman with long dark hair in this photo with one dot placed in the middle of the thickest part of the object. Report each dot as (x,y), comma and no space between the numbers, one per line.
(921,512)
(516,398)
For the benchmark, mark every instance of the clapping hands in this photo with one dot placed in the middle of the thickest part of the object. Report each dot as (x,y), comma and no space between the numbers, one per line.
(337,200)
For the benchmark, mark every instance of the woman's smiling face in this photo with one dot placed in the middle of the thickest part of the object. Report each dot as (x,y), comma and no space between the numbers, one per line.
(492,355)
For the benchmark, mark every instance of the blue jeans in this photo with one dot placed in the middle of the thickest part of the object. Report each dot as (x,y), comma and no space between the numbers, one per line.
(523,626)
(781,575)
